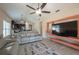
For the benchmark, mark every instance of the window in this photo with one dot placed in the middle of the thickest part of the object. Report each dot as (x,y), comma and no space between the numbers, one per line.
(6,28)
(56,28)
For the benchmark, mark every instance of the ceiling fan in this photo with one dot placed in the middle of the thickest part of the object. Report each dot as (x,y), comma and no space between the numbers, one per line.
(38,10)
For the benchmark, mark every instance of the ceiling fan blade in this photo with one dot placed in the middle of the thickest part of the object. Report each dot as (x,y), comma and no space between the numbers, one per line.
(57,10)
(38,6)
(45,11)
(43,5)
(32,12)
(30,7)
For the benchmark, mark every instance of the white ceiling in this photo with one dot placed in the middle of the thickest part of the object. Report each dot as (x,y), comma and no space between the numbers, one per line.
(16,10)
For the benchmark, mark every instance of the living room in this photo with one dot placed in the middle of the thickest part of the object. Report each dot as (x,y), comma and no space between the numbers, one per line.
(34,28)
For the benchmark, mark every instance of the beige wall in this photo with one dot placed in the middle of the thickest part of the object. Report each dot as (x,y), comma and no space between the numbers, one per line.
(60,15)
(3,16)
(36,26)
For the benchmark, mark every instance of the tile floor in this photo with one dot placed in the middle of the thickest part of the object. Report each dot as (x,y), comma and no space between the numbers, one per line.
(42,47)
(46,47)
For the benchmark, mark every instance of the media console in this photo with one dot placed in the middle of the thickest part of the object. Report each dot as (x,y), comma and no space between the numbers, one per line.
(68,41)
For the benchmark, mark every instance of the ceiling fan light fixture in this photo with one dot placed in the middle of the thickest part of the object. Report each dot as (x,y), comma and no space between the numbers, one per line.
(38,11)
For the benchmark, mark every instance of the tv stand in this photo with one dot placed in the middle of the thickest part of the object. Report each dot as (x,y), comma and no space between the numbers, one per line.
(68,41)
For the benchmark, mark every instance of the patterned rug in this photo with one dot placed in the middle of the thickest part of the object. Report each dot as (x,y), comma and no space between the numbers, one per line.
(38,48)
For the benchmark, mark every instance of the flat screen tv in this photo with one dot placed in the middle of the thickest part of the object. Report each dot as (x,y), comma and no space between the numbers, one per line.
(65,29)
